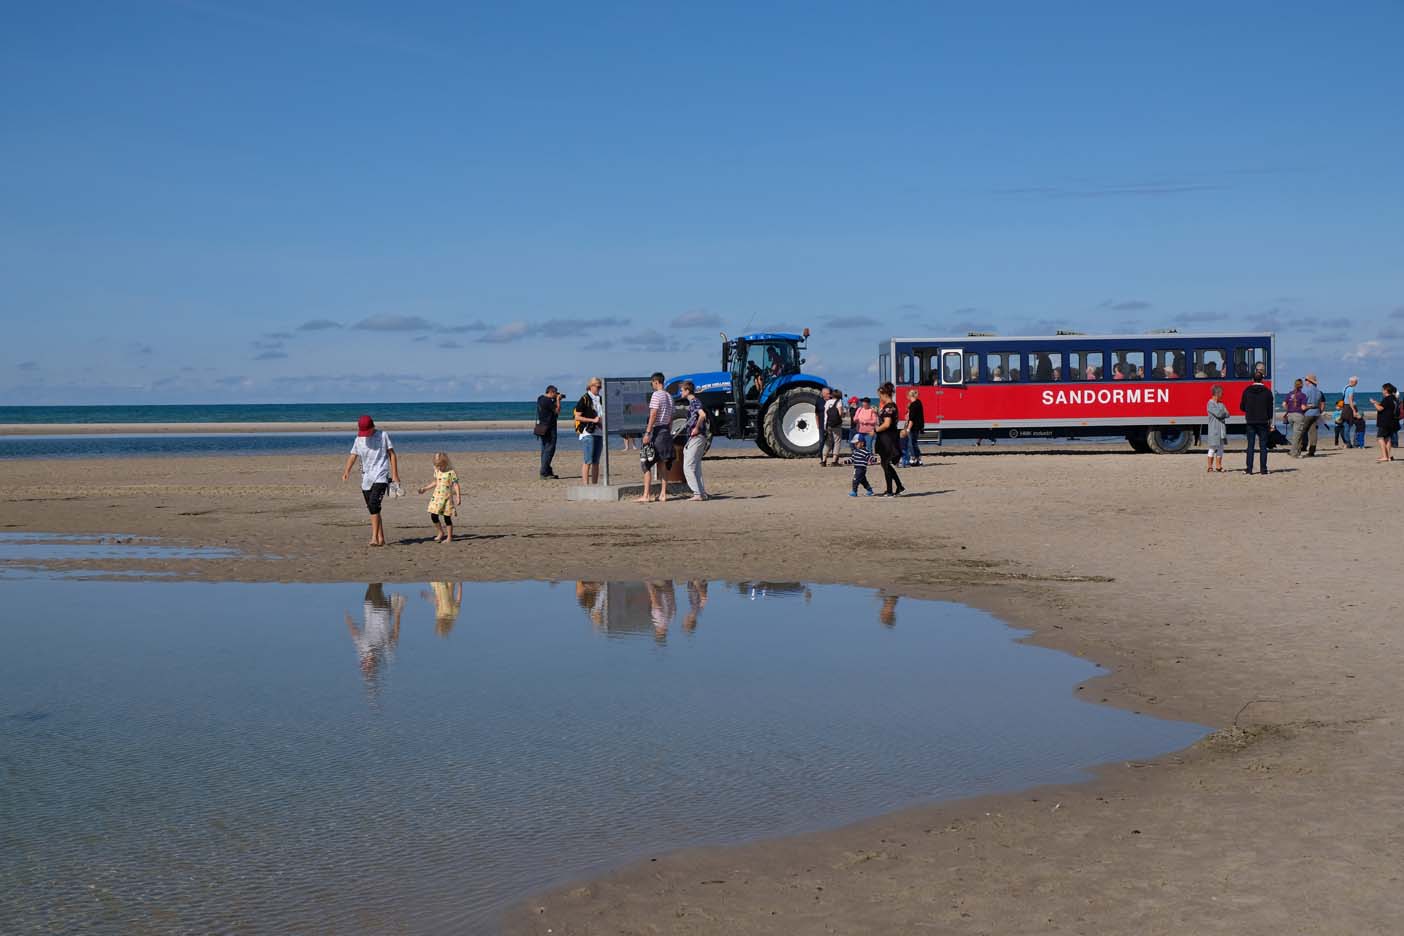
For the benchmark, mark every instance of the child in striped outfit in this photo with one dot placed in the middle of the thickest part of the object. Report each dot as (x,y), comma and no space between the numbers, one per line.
(862,458)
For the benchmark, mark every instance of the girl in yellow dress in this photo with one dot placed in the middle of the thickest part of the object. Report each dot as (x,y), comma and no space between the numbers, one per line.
(446,498)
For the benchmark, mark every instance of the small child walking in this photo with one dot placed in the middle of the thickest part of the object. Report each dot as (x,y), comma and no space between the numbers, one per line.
(446,498)
(862,458)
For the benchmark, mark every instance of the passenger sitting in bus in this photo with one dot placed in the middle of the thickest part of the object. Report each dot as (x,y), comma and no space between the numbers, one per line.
(1177,363)
(974,372)
(1057,375)
(1140,372)
(1211,370)
(997,375)
(1013,376)
(1118,372)
(1092,373)
(1043,369)
(1171,373)
(1201,373)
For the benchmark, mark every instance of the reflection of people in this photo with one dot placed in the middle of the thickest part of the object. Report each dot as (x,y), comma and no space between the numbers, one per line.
(379,467)
(376,638)
(696,601)
(887,614)
(448,601)
(590,596)
(662,605)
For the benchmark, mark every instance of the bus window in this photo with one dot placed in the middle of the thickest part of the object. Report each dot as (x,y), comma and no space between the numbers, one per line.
(1085,365)
(1168,365)
(884,368)
(1045,366)
(1128,365)
(906,368)
(1002,366)
(1209,363)
(1246,360)
(952,367)
(930,366)
(972,367)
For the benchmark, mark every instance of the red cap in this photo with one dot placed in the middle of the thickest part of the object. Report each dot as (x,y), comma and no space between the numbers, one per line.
(365,426)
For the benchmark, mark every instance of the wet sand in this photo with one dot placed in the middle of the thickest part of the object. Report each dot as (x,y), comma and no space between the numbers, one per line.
(1245,603)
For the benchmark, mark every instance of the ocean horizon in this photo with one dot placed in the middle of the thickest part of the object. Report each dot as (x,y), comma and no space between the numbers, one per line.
(490,411)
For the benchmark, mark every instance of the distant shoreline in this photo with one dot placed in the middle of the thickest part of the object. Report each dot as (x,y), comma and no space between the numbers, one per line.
(201,428)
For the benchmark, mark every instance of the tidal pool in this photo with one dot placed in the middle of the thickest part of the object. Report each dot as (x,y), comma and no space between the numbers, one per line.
(187,757)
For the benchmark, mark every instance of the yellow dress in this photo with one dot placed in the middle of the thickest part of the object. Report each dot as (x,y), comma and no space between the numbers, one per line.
(441,502)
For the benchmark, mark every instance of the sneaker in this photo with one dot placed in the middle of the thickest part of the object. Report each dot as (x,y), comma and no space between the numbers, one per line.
(870,493)
(852,493)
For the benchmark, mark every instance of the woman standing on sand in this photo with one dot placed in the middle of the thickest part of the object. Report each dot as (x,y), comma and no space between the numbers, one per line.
(1386,421)
(865,420)
(889,439)
(1218,428)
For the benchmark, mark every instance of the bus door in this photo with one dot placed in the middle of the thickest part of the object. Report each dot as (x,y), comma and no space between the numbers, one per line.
(952,384)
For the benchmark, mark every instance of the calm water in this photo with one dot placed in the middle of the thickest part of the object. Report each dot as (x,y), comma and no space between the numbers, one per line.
(180,757)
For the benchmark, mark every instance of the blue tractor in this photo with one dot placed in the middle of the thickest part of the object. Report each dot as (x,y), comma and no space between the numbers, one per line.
(760,393)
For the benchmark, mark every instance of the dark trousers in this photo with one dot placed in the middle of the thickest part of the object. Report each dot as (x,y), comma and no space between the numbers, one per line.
(548,452)
(1258,433)
(911,453)
(889,475)
(860,478)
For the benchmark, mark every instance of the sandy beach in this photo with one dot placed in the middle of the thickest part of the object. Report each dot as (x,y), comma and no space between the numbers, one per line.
(1248,604)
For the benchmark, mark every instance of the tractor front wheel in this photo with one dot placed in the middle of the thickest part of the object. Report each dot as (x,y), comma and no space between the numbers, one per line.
(791,424)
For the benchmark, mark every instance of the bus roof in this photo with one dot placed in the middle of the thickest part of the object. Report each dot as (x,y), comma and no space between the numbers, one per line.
(1090,336)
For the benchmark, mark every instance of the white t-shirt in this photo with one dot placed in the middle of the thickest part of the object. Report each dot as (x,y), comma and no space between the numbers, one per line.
(374,452)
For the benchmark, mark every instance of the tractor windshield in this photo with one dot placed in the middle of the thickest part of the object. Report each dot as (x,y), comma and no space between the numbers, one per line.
(766,360)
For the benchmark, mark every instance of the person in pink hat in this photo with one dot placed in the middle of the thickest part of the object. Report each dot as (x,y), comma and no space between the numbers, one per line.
(379,468)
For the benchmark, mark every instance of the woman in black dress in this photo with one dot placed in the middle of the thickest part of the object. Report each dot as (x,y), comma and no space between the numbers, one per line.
(889,438)
(1386,421)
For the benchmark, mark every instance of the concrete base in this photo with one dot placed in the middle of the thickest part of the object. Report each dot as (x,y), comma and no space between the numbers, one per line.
(619,492)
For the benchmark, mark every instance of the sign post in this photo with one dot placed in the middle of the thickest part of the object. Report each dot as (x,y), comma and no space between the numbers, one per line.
(624,411)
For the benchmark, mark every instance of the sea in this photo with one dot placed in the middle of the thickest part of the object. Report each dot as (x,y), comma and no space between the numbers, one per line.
(270,413)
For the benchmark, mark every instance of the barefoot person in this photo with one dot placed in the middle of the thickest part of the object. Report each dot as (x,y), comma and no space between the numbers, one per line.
(658,434)
(379,467)
(696,445)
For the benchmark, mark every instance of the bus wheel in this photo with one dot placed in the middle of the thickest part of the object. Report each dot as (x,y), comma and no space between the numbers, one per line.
(791,424)
(1138,442)
(1169,441)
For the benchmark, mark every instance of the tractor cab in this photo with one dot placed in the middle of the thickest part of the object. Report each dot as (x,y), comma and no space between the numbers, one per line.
(756,361)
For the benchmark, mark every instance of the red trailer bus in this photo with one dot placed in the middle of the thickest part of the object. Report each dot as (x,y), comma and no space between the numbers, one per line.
(1150,388)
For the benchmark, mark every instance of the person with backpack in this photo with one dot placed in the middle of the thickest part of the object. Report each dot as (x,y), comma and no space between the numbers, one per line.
(588,425)
(831,423)
(1386,421)
(1257,405)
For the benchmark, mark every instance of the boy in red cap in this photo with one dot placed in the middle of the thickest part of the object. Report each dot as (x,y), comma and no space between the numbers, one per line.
(379,467)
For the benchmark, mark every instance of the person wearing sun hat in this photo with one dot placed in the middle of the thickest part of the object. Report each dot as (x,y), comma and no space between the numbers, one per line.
(1311,416)
(379,468)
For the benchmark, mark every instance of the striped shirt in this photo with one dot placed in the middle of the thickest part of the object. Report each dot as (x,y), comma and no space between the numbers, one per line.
(862,458)
(662,401)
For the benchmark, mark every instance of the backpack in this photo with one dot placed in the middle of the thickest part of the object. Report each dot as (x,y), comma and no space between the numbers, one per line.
(833,416)
(585,406)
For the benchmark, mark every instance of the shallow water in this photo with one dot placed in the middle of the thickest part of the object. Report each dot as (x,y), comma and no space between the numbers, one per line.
(48,547)
(191,757)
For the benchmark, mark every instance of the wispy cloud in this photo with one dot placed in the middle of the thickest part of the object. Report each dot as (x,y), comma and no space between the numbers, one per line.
(604,345)
(478,326)
(263,345)
(28,366)
(697,318)
(851,321)
(394,323)
(143,349)
(270,355)
(1397,313)
(448,345)
(318,325)
(650,339)
(574,327)
(1366,352)
(1202,315)
(1126,305)
(503,334)
(278,336)
(1147,189)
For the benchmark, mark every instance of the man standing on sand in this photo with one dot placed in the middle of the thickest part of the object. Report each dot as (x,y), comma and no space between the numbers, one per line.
(830,425)
(1257,405)
(548,414)
(1315,405)
(659,435)
(379,467)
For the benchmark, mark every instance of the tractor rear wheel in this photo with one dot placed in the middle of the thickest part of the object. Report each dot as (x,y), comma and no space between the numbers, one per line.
(791,424)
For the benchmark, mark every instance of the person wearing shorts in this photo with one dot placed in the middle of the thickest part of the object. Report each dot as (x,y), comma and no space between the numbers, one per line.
(658,434)
(589,425)
(379,468)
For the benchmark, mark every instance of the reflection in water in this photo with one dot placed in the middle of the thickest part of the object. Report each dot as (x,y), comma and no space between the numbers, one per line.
(151,787)
(756,590)
(380,631)
(887,614)
(636,608)
(448,601)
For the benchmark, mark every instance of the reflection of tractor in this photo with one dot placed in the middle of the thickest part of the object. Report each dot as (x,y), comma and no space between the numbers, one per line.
(761,394)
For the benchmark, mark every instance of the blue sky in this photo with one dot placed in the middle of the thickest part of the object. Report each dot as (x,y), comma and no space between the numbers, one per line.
(238,200)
